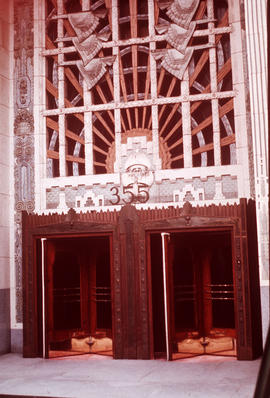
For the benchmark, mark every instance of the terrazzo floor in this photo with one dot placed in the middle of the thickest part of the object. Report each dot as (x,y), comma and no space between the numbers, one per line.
(102,377)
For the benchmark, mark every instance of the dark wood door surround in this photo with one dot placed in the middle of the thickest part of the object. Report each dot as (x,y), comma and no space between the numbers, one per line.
(130,231)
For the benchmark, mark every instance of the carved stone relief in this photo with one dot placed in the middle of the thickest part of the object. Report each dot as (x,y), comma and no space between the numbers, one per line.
(181,11)
(23,130)
(176,59)
(141,184)
(88,44)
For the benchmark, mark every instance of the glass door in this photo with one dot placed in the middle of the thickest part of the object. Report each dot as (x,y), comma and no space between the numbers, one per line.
(192,294)
(202,294)
(78,296)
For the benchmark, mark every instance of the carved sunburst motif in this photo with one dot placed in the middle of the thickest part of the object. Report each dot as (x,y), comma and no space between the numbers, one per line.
(122,88)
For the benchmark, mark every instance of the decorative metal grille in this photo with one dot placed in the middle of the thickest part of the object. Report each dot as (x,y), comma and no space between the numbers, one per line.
(127,68)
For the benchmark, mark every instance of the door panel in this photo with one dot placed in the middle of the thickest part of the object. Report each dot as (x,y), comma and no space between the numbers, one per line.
(203,294)
(79,317)
(200,290)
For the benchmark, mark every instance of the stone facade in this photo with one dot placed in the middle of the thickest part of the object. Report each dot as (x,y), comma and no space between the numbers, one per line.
(136,171)
(6,199)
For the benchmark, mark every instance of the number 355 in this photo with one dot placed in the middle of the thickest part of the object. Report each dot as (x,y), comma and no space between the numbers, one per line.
(142,196)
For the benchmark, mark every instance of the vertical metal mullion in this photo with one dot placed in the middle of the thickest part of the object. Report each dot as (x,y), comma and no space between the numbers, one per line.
(43,297)
(186,124)
(213,83)
(116,86)
(61,93)
(153,85)
(166,314)
(88,122)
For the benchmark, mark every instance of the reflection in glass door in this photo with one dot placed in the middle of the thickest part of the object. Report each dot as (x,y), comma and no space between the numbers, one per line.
(78,299)
(201,294)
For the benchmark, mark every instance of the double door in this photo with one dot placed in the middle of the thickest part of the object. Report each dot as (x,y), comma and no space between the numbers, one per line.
(211,275)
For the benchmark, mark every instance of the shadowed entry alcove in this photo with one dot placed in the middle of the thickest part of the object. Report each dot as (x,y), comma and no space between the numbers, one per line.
(77,295)
(200,294)
(211,267)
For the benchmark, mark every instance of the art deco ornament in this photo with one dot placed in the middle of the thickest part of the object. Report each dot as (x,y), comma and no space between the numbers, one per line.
(94,70)
(180,11)
(91,46)
(173,61)
(177,36)
(138,175)
(84,23)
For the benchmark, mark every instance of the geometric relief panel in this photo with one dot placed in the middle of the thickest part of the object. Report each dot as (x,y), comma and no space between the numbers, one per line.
(164,191)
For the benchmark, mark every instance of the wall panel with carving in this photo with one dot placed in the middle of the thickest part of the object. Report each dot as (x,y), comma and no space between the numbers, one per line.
(23,130)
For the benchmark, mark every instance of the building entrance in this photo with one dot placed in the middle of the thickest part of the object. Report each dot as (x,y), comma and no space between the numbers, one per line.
(103,281)
(78,314)
(199,294)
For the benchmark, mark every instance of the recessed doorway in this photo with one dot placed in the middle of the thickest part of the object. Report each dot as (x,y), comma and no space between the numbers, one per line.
(199,295)
(78,297)
(132,240)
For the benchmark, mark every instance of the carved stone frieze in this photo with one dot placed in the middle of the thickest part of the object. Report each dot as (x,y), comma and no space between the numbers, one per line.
(23,28)
(23,130)
(24,123)
(23,90)
(23,54)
